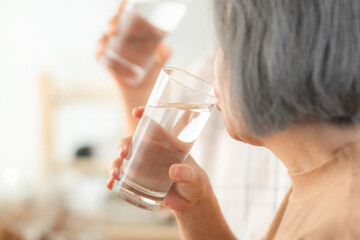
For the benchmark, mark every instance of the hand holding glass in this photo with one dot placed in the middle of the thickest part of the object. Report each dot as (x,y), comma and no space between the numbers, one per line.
(174,117)
(141,27)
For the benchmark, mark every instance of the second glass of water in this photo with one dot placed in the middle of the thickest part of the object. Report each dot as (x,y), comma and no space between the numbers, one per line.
(176,112)
(141,27)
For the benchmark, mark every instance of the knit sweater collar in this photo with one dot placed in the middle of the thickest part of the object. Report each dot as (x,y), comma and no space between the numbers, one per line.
(344,162)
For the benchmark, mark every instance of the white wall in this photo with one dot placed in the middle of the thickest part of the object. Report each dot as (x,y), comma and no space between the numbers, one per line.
(59,37)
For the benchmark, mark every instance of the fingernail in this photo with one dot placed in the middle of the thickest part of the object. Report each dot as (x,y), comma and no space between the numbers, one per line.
(123,154)
(121,150)
(177,172)
(186,174)
(114,172)
(133,111)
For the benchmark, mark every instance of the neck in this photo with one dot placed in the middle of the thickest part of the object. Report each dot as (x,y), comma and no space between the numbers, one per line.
(303,148)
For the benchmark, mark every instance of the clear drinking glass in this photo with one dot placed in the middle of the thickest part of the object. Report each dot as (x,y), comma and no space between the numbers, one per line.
(174,116)
(142,25)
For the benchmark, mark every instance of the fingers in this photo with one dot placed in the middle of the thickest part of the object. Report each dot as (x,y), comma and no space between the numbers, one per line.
(109,183)
(138,112)
(183,173)
(191,181)
(189,173)
(114,168)
(122,6)
(112,25)
(101,46)
(114,172)
(111,30)
(123,147)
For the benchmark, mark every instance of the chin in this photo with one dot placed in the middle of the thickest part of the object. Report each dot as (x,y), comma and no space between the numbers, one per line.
(254,141)
(233,134)
(244,137)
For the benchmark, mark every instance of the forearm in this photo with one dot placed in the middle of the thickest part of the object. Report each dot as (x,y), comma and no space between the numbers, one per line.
(204,221)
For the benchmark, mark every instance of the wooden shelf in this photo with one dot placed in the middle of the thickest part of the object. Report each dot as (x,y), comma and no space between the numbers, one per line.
(53,98)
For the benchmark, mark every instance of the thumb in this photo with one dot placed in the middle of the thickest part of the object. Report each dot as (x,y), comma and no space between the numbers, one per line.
(191,184)
(183,173)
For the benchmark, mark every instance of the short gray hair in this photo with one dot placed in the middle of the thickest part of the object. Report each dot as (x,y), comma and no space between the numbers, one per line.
(292,60)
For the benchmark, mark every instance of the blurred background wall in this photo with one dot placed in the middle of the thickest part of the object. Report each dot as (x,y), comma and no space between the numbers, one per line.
(47,52)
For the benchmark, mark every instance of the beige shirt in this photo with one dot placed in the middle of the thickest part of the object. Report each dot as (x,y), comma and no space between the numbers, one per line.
(323,203)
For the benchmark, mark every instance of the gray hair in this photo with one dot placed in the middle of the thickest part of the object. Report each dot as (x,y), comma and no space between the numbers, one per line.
(292,60)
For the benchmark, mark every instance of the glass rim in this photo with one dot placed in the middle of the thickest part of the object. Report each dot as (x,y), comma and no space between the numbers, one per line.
(163,69)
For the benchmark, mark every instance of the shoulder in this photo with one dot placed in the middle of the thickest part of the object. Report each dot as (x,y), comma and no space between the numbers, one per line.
(352,224)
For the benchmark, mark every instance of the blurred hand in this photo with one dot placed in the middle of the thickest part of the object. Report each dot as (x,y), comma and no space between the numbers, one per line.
(163,53)
(133,95)
(191,184)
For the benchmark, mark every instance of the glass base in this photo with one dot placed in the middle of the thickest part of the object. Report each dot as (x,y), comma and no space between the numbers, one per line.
(137,196)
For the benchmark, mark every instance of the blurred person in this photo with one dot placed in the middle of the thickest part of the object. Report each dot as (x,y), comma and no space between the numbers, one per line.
(247,180)
(287,77)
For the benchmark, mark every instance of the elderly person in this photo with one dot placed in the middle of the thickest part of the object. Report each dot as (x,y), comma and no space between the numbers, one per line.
(247,180)
(288,78)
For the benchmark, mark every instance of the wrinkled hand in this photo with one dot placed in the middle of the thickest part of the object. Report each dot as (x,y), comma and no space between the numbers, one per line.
(163,52)
(191,182)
